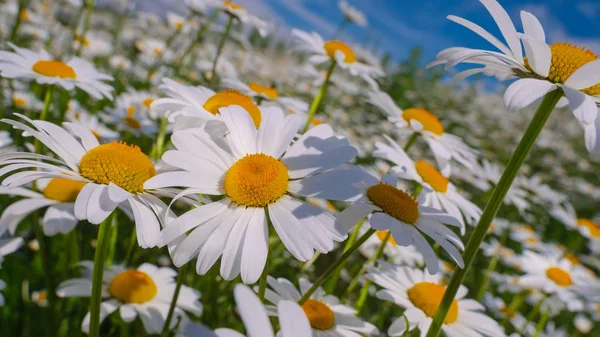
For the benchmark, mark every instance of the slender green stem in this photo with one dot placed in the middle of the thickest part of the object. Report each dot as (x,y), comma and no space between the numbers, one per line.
(335,265)
(213,73)
(317,101)
(199,38)
(262,283)
(542,323)
(333,281)
(514,305)
(48,272)
(130,247)
(160,139)
(96,298)
(365,289)
(112,243)
(411,141)
(491,267)
(533,130)
(180,277)
(37,145)
(18,20)
(89,8)
(534,312)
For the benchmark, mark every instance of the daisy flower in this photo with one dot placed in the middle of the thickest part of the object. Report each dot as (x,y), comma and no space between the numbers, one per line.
(389,208)
(26,100)
(445,146)
(190,107)
(41,67)
(40,298)
(256,90)
(444,195)
(545,67)
(292,321)
(241,13)
(324,51)
(327,316)
(352,14)
(401,255)
(256,171)
(500,310)
(145,292)
(553,275)
(132,120)
(111,174)
(420,294)
(566,214)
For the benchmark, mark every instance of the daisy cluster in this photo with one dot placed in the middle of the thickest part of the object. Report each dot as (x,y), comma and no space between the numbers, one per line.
(201,174)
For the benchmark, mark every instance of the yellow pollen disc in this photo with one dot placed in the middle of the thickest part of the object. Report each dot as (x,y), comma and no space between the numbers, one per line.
(147,102)
(429,121)
(394,202)
(319,315)
(382,234)
(233,6)
(598,307)
(559,276)
(63,189)
(132,286)
(572,258)
(332,46)
(52,68)
(42,296)
(24,14)
(432,176)
(158,51)
(315,121)
(427,296)
(178,24)
(19,102)
(129,120)
(118,163)
(532,240)
(227,98)
(567,58)
(259,89)
(590,225)
(256,180)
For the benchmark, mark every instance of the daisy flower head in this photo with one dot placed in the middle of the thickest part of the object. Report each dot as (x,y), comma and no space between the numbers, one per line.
(352,14)
(106,175)
(145,292)
(389,208)
(553,275)
(541,70)
(566,214)
(421,294)
(191,107)
(44,69)
(40,297)
(326,315)
(260,176)
(445,146)
(241,13)
(443,194)
(271,94)
(132,119)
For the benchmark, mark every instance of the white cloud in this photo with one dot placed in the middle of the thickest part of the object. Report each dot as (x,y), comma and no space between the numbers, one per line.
(588,9)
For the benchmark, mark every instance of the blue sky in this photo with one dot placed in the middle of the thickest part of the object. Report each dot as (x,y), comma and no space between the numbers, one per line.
(396,26)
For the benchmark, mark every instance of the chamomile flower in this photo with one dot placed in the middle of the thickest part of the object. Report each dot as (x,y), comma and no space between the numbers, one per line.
(111,174)
(503,311)
(566,214)
(44,69)
(389,208)
(352,14)
(241,13)
(26,100)
(189,107)
(40,297)
(421,294)
(445,146)
(256,171)
(177,22)
(145,292)
(553,275)
(444,194)
(327,316)
(131,119)
(254,89)
(322,51)
(545,67)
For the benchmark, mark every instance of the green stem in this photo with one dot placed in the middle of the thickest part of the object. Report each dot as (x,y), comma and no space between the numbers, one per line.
(533,130)
(532,314)
(199,38)
(37,145)
(335,265)
(542,323)
(365,289)
(515,304)
(411,141)
(112,243)
(130,247)
(224,37)
(262,283)
(89,8)
(96,298)
(491,267)
(180,277)
(46,267)
(160,139)
(317,101)
(18,20)
(333,281)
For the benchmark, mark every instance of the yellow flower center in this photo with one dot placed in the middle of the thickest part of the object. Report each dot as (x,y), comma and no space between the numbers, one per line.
(132,286)
(158,51)
(382,234)
(63,189)
(572,258)
(259,89)
(394,202)
(333,46)
(118,163)
(130,120)
(147,102)
(53,68)
(42,296)
(559,276)
(179,24)
(81,39)
(590,225)
(429,121)
(532,241)
(233,6)
(427,296)
(315,121)
(319,315)
(24,15)
(19,102)
(256,180)
(227,98)
(432,176)
(567,58)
